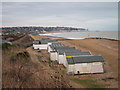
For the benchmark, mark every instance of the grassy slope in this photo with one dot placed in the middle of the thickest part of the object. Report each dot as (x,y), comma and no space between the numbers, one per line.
(37,77)
(88,83)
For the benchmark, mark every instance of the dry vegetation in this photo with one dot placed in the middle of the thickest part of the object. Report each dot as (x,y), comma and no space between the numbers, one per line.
(52,74)
(25,41)
(17,69)
(28,68)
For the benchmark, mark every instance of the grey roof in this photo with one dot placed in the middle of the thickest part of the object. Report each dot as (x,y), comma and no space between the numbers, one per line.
(70,61)
(68,50)
(63,48)
(85,59)
(47,40)
(36,42)
(53,40)
(43,42)
(77,53)
(55,45)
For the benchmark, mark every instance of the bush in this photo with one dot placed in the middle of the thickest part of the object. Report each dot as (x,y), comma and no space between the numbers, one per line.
(20,56)
(18,69)
(7,46)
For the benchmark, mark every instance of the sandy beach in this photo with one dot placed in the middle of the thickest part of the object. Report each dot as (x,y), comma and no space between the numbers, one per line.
(37,37)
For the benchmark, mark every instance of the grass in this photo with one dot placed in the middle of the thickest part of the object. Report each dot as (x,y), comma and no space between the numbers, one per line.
(17,68)
(6,46)
(39,57)
(63,72)
(88,83)
(40,60)
(52,67)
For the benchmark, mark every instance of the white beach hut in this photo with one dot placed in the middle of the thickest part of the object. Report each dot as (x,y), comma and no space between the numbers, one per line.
(36,44)
(53,56)
(85,64)
(53,50)
(74,54)
(43,43)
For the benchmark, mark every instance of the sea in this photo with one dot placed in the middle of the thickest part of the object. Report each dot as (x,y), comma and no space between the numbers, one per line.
(85,34)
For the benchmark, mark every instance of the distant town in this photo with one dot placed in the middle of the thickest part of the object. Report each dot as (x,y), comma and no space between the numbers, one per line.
(21,31)
(15,30)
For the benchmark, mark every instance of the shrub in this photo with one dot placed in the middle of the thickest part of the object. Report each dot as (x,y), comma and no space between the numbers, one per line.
(7,46)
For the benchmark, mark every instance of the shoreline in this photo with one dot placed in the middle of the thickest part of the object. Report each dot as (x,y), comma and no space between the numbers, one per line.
(79,38)
(38,37)
(83,35)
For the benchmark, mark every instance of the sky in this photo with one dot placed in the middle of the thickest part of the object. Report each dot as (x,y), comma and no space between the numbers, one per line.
(92,15)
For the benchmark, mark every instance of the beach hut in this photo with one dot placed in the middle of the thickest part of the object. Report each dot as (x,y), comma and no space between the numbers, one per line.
(73,54)
(43,43)
(85,64)
(36,44)
(51,47)
(50,41)
(53,55)
(70,66)
(60,52)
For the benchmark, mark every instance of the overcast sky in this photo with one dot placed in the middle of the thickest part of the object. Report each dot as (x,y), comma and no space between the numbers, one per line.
(91,15)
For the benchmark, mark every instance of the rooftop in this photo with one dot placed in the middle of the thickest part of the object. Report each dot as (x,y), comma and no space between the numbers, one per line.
(56,45)
(67,50)
(36,42)
(85,59)
(44,41)
(77,53)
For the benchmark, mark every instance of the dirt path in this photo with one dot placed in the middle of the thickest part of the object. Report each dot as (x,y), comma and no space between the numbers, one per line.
(33,55)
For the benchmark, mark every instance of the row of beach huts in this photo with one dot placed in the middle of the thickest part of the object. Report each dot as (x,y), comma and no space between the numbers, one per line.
(75,61)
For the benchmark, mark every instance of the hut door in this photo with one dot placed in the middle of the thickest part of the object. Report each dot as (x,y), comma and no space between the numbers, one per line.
(78,72)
